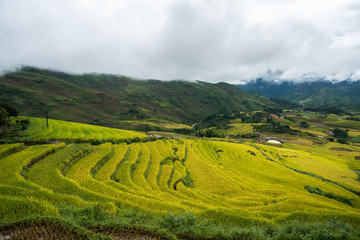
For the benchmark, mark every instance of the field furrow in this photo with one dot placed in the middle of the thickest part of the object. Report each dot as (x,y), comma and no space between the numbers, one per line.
(123,175)
(8,148)
(109,168)
(12,165)
(139,169)
(154,167)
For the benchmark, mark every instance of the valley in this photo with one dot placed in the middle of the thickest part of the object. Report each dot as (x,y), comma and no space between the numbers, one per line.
(179,120)
(268,172)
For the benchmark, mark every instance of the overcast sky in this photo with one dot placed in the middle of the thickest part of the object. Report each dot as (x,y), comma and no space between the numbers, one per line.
(210,40)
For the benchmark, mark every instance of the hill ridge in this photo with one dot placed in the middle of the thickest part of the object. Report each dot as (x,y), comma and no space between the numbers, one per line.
(102,99)
(315,93)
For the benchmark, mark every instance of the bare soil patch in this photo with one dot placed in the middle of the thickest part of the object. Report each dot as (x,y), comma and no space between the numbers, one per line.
(341,149)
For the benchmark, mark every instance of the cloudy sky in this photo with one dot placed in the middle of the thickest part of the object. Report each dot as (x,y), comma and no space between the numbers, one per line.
(211,40)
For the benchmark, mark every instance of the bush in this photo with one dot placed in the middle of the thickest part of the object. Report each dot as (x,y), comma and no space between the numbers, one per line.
(290,119)
(328,195)
(4,117)
(314,231)
(97,142)
(341,140)
(179,223)
(304,124)
(251,152)
(21,124)
(13,112)
(209,133)
(24,124)
(339,133)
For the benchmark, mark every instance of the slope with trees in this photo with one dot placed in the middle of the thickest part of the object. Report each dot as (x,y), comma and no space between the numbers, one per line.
(104,99)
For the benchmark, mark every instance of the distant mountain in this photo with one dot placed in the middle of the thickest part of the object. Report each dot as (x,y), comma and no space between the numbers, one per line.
(104,99)
(320,93)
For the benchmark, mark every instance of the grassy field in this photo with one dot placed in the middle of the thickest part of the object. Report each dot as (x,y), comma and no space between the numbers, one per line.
(62,130)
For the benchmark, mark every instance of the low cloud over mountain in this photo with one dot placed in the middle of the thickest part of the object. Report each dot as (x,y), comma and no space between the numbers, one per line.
(213,40)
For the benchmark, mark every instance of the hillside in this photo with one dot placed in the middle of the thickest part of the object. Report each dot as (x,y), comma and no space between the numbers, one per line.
(319,93)
(58,130)
(189,189)
(104,99)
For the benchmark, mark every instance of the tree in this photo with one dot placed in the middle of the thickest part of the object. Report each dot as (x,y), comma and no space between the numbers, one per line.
(273,110)
(339,133)
(304,124)
(4,117)
(9,126)
(209,133)
(341,140)
(13,112)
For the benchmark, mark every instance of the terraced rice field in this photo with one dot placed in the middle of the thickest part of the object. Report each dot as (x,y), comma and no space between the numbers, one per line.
(153,123)
(315,132)
(63,130)
(240,129)
(230,183)
(354,133)
(345,124)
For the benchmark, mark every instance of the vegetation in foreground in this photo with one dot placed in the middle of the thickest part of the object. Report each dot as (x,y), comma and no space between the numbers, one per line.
(184,226)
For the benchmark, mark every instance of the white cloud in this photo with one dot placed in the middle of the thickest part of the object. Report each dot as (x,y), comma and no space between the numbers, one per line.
(210,40)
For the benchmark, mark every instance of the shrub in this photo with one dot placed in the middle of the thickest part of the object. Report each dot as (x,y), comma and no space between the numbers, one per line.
(4,117)
(341,140)
(328,195)
(314,231)
(179,223)
(251,152)
(97,142)
(24,124)
(339,133)
(13,112)
(304,124)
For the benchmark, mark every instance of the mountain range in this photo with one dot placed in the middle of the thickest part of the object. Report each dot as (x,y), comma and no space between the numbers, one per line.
(104,99)
(318,93)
